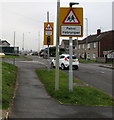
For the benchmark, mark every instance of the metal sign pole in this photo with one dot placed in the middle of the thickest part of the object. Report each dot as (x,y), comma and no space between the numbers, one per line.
(70,66)
(48,44)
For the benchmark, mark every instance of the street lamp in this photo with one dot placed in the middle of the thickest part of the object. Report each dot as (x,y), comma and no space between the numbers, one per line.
(73,3)
(85,56)
(24,40)
(70,56)
(86,26)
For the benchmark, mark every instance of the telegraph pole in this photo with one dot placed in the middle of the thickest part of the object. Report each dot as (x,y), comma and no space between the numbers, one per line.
(14,49)
(23,43)
(57,47)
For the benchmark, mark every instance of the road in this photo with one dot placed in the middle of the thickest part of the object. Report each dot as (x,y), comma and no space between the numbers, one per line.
(96,76)
(32,101)
(92,74)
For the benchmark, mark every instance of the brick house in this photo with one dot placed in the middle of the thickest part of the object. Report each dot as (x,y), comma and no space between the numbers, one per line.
(94,45)
(65,44)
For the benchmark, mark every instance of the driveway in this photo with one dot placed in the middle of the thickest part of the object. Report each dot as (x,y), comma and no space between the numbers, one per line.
(32,100)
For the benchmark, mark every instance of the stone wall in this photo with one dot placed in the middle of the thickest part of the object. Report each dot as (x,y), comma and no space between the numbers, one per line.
(101,59)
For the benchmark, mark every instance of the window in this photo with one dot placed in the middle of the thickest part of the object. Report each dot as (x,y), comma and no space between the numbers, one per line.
(83,46)
(94,45)
(88,55)
(82,55)
(73,57)
(94,55)
(88,46)
(73,47)
(62,57)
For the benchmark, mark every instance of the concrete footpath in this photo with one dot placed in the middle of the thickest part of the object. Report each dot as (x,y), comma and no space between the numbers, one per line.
(32,100)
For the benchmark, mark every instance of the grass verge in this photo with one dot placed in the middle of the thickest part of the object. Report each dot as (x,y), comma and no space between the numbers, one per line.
(93,61)
(9,73)
(87,61)
(85,95)
(11,56)
(26,58)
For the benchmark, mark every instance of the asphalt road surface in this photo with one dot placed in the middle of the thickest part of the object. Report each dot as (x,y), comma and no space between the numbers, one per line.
(96,76)
(32,101)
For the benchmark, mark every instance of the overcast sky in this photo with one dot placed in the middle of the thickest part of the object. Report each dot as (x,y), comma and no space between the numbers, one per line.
(28,17)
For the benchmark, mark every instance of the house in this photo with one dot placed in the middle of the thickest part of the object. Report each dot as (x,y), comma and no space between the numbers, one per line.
(99,45)
(65,44)
(5,48)
(4,43)
(94,46)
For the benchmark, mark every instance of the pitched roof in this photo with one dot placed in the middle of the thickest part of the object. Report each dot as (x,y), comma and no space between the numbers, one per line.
(5,41)
(94,38)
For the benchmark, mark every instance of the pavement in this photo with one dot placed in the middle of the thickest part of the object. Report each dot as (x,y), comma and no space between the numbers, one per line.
(107,66)
(32,100)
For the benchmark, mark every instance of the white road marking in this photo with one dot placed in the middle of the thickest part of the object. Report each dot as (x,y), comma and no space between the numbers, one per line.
(102,72)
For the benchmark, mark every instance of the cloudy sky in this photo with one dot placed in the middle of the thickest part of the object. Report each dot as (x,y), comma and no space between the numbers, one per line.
(28,17)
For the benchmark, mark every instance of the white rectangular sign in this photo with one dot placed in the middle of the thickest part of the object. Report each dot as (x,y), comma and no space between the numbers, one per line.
(48,32)
(71,30)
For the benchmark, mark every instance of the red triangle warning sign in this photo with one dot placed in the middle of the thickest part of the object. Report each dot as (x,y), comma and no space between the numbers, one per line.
(71,18)
(48,27)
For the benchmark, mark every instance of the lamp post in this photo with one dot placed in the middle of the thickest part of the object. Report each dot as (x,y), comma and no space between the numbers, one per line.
(85,56)
(73,3)
(23,41)
(70,54)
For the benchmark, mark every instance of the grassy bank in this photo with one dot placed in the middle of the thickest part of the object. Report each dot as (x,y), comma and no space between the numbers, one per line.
(9,73)
(85,95)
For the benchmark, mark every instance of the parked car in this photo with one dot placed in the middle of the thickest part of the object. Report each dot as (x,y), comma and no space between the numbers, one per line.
(64,62)
(2,55)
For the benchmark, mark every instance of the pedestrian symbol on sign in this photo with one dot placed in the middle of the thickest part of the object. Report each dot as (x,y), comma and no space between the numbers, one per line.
(48,27)
(71,18)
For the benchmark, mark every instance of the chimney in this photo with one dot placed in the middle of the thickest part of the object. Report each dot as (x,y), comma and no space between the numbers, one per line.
(98,32)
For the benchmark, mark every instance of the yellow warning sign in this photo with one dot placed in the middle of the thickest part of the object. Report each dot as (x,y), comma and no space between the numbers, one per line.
(48,33)
(71,22)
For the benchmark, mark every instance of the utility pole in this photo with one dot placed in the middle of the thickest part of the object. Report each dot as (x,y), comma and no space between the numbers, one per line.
(39,41)
(23,43)
(57,47)
(14,49)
